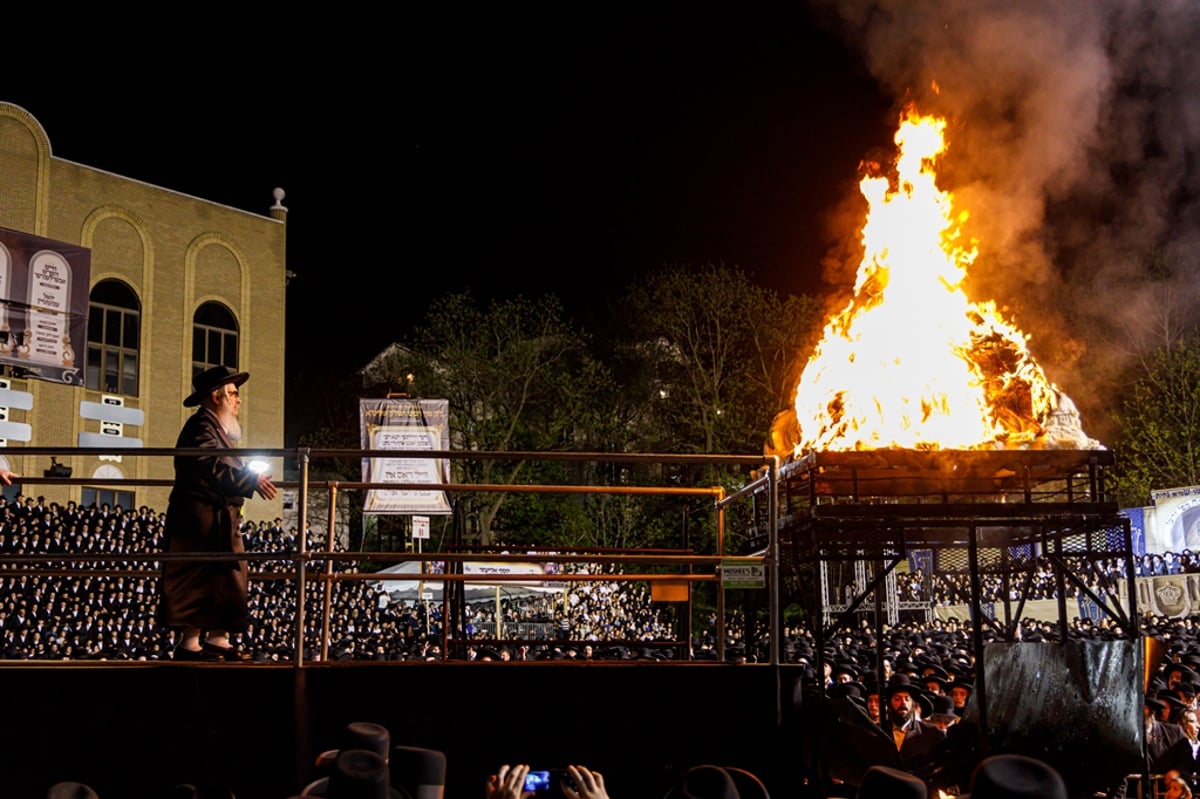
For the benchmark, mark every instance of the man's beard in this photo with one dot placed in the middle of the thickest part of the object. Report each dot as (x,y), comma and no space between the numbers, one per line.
(233,428)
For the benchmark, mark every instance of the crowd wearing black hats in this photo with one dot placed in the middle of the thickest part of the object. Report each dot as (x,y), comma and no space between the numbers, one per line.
(109,611)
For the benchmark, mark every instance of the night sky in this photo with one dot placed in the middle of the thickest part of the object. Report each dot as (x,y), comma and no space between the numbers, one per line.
(526,148)
(566,148)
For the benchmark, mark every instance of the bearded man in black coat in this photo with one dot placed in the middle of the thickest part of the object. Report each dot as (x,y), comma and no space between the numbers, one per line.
(209,597)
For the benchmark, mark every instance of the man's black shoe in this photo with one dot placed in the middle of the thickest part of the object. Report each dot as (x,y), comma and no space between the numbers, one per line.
(187,654)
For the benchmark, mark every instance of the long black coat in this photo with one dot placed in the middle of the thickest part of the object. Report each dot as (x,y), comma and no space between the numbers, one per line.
(204,515)
(922,747)
(1180,757)
(1161,737)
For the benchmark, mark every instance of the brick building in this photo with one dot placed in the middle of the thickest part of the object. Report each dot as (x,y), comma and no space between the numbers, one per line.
(176,284)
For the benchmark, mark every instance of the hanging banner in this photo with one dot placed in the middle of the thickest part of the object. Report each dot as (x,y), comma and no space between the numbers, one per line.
(43,306)
(1172,523)
(405,425)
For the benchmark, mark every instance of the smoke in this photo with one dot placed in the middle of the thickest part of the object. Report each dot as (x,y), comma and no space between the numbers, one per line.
(1073,128)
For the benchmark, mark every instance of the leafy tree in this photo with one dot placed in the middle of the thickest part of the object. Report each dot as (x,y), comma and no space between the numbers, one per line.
(1159,425)
(712,358)
(513,373)
(717,355)
(698,361)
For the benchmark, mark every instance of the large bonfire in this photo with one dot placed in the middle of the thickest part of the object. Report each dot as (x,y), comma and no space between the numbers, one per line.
(911,362)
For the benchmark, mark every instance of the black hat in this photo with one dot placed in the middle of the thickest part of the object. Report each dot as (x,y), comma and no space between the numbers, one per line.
(1175,702)
(934,678)
(421,773)
(943,706)
(1015,777)
(924,700)
(884,782)
(1172,667)
(898,683)
(748,784)
(357,774)
(704,782)
(935,670)
(360,735)
(844,667)
(850,690)
(71,790)
(210,380)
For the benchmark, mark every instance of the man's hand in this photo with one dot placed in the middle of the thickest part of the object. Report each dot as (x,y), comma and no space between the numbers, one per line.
(508,783)
(7,477)
(265,488)
(584,784)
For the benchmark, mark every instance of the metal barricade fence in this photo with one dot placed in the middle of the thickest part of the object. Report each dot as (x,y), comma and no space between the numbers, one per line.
(325,574)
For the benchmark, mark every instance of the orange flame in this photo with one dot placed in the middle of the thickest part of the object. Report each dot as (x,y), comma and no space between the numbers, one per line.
(911,362)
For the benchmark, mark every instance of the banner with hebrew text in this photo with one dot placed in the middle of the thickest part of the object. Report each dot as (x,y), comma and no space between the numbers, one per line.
(43,306)
(407,426)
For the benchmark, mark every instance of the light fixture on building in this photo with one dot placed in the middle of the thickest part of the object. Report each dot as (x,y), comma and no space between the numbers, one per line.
(57,469)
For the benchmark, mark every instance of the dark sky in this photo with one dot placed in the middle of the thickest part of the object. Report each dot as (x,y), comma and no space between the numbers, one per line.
(565,148)
(526,148)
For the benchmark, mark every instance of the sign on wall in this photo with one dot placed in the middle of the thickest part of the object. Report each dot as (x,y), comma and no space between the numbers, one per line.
(43,306)
(405,425)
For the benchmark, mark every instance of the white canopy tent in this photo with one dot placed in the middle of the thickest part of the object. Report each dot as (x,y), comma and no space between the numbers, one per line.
(413,585)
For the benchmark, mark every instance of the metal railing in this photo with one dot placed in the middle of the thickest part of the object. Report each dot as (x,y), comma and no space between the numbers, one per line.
(317,574)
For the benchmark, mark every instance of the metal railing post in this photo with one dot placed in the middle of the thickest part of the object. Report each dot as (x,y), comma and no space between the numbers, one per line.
(302,457)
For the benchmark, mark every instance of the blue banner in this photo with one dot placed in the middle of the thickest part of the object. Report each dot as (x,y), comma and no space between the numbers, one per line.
(1137,525)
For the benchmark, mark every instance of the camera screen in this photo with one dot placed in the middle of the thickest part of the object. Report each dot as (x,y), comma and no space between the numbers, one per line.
(537,781)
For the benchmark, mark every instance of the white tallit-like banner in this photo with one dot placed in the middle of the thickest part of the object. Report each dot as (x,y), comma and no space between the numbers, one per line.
(407,426)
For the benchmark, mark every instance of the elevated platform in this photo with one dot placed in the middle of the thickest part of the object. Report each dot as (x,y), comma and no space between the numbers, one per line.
(996,521)
(885,503)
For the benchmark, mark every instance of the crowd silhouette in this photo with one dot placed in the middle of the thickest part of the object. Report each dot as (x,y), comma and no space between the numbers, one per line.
(51,610)
(79,583)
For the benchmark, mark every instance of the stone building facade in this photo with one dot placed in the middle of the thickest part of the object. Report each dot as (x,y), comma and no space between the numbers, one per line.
(192,270)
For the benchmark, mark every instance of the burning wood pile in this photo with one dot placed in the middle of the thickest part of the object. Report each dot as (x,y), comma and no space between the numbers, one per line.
(911,362)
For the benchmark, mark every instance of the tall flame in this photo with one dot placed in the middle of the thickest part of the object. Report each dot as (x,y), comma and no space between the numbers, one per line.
(911,362)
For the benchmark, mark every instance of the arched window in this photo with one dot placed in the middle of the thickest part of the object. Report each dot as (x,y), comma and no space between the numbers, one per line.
(114,338)
(214,338)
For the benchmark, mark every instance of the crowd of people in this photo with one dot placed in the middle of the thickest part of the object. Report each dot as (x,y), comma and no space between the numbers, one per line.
(89,592)
(86,590)
(954,588)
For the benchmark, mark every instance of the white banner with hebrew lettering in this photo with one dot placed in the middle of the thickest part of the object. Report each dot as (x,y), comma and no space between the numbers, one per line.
(407,426)
(1172,523)
(43,306)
